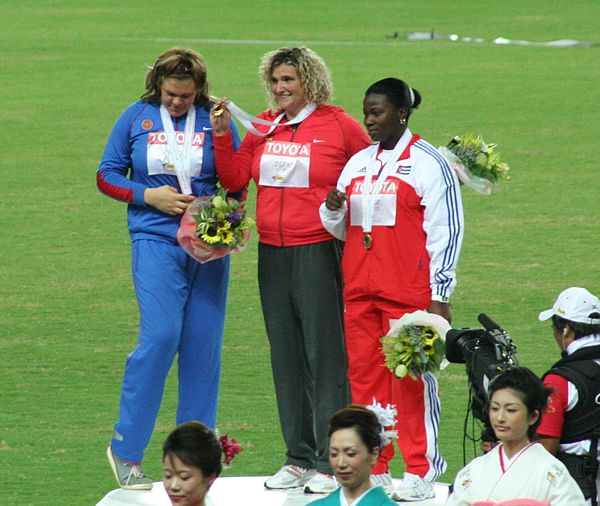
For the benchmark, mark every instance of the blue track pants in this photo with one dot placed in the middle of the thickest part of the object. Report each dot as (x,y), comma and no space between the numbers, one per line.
(182,311)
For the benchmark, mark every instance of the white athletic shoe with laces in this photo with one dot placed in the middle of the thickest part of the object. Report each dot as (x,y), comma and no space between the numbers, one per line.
(289,477)
(383,480)
(320,484)
(413,488)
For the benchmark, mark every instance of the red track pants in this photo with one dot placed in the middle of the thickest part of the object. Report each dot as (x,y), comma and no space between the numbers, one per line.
(417,402)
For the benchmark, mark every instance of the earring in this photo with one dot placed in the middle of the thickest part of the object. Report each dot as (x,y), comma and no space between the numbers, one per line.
(403,121)
(565,332)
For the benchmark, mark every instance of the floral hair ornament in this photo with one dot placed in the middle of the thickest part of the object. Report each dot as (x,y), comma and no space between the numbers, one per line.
(386,418)
(230,448)
(415,344)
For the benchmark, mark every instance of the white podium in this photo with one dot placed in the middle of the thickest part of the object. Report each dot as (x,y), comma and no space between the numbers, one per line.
(238,490)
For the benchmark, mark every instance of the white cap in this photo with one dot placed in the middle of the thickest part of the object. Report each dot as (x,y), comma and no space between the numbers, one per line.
(576,305)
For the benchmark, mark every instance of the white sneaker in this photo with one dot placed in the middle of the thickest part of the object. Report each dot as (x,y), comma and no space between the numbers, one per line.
(289,477)
(320,484)
(413,488)
(383,480)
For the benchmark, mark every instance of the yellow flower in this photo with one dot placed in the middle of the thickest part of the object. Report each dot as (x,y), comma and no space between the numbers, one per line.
(472,141)
(226,235)
(210,236)
(430,336)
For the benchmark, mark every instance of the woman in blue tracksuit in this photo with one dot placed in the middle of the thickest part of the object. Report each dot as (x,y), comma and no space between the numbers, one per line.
(159,157)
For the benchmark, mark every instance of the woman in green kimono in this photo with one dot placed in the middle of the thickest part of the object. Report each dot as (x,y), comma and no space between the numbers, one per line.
(356,438)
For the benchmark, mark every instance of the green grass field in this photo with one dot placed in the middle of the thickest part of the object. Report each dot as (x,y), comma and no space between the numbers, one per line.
(68,316)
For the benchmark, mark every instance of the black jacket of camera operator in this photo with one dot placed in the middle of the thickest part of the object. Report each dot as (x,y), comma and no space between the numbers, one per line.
(583,421)
(581,369)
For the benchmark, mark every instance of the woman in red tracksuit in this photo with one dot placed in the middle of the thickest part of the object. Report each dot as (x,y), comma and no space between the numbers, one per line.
(293,165)
(398,207)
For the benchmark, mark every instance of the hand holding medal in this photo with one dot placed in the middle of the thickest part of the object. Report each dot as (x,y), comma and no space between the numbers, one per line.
(220,117)
(217,110)
(334,202)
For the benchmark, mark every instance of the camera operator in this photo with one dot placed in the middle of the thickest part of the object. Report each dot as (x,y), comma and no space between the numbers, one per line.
(570,428)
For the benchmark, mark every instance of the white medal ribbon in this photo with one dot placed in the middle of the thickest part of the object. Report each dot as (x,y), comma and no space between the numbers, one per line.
(370,191)
(181,159)
(247,119)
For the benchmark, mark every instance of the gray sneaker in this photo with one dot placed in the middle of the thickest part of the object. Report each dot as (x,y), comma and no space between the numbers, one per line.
(129,476)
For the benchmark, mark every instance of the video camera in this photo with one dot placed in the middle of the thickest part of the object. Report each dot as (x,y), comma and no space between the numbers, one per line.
(486,352)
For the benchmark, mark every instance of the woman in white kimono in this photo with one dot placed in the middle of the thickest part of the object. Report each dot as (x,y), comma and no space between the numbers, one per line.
(517,471)
(356,436)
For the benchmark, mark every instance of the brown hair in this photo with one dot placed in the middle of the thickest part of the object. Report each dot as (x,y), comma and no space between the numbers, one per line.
(177,63)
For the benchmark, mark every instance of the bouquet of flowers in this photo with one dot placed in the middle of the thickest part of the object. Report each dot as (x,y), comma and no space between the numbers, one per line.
(476,163)
(415,344)
(213,227)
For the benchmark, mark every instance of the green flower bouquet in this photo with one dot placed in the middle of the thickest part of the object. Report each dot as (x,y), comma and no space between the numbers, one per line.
(415,344)
(477,163)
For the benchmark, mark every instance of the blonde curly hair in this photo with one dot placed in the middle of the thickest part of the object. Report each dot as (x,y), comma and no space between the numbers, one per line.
(312,71)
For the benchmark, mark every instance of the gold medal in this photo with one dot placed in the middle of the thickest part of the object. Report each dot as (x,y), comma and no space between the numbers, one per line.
(367,241)
(217,110)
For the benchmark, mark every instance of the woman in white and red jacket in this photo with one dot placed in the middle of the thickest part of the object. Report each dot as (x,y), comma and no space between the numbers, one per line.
(294,165)
(398,207)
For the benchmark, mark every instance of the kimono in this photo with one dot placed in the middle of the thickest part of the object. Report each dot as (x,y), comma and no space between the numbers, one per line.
(532,474)
(373,497)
